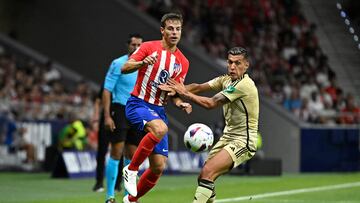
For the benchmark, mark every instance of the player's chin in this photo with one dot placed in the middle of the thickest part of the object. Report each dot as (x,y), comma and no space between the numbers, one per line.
(233,77)
(174,41)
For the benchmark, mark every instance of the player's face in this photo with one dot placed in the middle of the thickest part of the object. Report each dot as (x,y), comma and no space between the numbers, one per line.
(171,32)
(134,44)
(237,66)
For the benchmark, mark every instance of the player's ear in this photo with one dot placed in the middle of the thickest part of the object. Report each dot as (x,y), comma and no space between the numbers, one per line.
(247,64)
(162,30)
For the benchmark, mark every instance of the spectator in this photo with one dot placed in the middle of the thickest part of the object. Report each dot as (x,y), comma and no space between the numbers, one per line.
(350,114)
(73,136)
(21,143)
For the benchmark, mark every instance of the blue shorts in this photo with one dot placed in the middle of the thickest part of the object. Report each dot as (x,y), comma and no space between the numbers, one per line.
(138,112)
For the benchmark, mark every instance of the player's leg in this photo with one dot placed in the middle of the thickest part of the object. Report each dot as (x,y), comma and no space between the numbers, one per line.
(151,175)
(143,117)
(112,168)
(119,176)
(132,141)
(213,168)
(222,158)
(156,130)
(117,139)
(157,164)
(103,144)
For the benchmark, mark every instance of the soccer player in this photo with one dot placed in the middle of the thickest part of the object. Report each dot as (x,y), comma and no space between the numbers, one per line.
(157,61)
(238,95)
(117,88)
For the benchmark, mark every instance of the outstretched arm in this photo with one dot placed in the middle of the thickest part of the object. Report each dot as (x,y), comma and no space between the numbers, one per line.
(206,102)
(132,65)
(193,88)
(198,88)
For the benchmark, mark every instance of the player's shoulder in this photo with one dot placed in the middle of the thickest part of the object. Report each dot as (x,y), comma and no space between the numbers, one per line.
(120,59)
(248,79)
(153,43)
(246,82)
(181,56)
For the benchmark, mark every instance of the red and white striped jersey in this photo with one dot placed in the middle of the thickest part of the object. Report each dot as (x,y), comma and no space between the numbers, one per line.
(168,65)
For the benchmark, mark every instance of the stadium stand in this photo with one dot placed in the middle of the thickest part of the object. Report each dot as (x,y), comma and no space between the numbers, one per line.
(33,94)
(288,63)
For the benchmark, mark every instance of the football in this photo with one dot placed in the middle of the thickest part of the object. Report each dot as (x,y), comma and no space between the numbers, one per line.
(198,137)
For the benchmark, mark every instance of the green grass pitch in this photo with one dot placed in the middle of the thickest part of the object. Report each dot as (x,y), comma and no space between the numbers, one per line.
(315,188)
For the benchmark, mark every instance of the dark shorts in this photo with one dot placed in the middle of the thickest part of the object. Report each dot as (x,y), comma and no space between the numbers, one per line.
(139,112)
(123,131)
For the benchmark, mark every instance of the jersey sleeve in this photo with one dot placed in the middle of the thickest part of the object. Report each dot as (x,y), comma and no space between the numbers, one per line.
(112,76)
(142,52)
(216,84)
(235,92)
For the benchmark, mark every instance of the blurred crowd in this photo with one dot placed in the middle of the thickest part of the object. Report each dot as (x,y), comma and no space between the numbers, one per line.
(287,62)
(33,91)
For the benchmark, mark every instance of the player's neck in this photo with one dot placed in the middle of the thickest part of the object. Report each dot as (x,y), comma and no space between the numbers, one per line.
(171,48)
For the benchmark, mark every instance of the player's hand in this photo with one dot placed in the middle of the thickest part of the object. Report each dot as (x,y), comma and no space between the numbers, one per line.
(170,91)
(109,123)
(178,87)
(150,60)
(186,107)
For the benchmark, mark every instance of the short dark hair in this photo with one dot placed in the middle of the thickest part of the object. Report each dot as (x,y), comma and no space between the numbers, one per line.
(136,35)
(171,16)
(239,51)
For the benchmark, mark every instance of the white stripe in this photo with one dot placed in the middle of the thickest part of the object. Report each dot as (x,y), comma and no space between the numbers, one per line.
(171,71)
(161,67)
(172,62)
(291,192)
(146,79)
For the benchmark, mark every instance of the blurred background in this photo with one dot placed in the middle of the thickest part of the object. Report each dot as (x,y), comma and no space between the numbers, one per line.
(304,59)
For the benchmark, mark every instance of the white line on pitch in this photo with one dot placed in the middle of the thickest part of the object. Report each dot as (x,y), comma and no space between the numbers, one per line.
(291,192)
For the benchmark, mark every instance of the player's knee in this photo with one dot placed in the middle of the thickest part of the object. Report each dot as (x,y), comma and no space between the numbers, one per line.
(207,173)
(159,129)
(116,151)
(158,169)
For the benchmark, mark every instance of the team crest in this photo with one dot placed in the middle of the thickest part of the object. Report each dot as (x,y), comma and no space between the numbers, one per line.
(229,89)
(177,67)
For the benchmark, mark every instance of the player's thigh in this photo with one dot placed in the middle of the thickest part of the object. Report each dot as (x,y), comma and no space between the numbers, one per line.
(219,164)
(239,152)
(236,149)
(145,118)
(157,163)
(121,124)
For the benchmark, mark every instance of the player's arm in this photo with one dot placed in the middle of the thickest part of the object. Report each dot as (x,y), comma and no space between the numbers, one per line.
(109,122)
(111,79)
(198,88)
(193,88)
(97,107)
(132,65)
(206,102)
(181,104)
